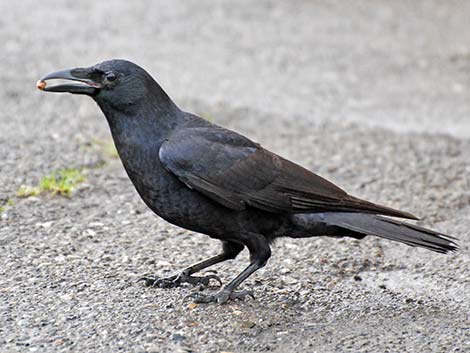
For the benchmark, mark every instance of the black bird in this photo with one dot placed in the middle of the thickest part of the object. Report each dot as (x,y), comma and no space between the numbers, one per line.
(211,180)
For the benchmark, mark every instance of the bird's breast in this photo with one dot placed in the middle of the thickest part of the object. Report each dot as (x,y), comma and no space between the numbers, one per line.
(169,198)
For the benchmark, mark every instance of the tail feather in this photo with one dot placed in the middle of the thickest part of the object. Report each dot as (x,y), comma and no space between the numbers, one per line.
(391,229)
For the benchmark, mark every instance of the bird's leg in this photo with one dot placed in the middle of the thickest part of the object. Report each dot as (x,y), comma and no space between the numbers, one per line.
(230,250)
(259,255)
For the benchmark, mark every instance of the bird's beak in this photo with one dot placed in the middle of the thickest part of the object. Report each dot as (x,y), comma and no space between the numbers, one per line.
(87,81)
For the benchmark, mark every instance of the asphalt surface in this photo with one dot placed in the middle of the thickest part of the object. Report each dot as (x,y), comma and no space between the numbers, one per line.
(375,97)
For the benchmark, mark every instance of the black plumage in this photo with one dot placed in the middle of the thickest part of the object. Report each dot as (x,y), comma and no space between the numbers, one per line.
(212,180)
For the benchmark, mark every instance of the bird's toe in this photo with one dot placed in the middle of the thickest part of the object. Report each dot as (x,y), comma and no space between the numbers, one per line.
(204,280)
(242,295)
(169,282)
(178,280)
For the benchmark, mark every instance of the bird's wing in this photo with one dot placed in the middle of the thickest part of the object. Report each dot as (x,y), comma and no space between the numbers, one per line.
(236,172)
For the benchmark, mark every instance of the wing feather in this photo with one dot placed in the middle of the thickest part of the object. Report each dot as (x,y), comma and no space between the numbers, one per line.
(236,172)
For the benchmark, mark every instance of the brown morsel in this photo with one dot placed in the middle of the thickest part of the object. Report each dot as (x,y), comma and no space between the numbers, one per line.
(41,85)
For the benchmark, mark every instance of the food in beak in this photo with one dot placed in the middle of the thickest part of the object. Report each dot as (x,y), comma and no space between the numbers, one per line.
(41,85)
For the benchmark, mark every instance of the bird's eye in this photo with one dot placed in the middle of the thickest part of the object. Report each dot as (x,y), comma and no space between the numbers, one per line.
(110,76)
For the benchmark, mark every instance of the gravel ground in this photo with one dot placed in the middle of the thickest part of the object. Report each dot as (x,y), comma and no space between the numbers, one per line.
(373,97)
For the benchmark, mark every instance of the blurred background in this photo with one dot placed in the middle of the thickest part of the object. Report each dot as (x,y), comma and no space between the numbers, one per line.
(373,95)
(401,64)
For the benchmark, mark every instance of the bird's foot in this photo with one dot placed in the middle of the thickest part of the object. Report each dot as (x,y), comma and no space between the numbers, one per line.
(177,280)
(221,297)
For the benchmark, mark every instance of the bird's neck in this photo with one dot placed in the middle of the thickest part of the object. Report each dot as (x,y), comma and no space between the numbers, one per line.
(153,112)
(138,133)
(154,117)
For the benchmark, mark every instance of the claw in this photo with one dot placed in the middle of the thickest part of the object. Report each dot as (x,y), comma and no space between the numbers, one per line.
(145,279)
(176,281)
(148,281)
(169,282)
(215,278)
(242,295)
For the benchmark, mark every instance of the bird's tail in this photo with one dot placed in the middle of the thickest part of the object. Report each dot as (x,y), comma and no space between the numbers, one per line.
(370,224)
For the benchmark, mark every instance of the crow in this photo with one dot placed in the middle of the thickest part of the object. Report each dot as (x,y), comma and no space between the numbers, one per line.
(208,179)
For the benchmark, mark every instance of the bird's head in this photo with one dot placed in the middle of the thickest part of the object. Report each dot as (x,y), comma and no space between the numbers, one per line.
(115,84)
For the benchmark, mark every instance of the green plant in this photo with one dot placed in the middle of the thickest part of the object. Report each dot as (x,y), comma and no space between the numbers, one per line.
(110,149)
(27,191)
(8,203)
(106,147)
(62,182)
